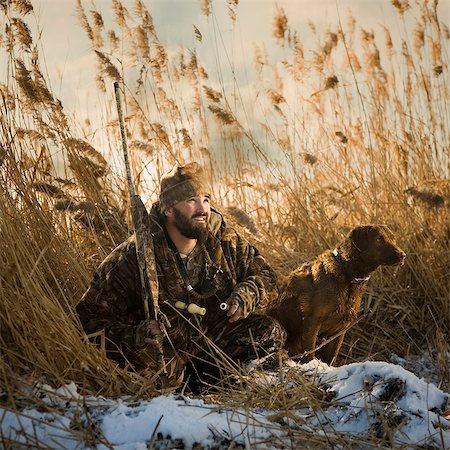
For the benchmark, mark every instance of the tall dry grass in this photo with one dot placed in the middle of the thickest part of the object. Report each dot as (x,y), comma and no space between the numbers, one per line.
(354,131)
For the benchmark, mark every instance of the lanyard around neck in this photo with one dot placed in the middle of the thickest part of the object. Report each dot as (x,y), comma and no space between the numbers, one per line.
(180,264)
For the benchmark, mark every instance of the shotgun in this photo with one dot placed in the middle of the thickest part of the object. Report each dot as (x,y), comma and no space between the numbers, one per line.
(144,252)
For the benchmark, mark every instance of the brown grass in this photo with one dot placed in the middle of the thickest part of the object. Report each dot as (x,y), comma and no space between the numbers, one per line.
(370,147)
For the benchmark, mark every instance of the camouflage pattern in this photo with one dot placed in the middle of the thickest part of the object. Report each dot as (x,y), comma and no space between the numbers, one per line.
(223,263)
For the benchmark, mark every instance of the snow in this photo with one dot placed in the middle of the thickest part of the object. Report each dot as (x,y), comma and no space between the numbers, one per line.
(395,395)
(366,400)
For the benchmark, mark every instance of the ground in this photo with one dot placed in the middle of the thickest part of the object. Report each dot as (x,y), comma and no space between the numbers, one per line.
(365,403)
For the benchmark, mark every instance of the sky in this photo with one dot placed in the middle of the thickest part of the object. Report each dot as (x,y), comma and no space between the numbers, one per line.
(226,50)
(69,57)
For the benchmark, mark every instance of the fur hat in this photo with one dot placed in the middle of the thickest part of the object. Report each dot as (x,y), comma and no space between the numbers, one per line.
(181,183)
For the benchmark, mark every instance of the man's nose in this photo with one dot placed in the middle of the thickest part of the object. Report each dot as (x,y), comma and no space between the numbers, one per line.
(202,207)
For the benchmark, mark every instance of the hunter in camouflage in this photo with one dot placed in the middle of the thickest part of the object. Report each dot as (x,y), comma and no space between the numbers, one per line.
(221,266)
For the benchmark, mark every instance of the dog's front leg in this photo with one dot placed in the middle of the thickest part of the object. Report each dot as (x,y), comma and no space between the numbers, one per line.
(329,352)
(310,333)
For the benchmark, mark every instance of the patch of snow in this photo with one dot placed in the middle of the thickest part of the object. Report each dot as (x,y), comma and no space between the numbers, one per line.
(373,400)
(387,401)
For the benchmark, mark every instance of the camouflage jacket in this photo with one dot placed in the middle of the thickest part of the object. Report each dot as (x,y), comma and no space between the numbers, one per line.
(113,301)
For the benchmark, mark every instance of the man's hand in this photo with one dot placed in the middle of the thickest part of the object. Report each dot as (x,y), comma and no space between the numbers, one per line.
(146,332)
(236,309)
(241,300)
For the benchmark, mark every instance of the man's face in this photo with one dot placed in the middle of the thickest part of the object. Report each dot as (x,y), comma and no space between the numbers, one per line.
(191,217)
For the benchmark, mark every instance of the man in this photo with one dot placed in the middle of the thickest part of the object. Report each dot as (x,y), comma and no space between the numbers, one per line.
(198,260)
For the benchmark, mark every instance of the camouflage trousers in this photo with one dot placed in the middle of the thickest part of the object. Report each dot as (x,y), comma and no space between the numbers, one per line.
(217,348)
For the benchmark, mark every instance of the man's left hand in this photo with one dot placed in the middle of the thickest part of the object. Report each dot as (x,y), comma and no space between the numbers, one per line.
(235,310)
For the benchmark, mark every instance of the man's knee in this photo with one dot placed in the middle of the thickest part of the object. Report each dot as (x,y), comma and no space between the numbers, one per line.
(269,331)
(259,332)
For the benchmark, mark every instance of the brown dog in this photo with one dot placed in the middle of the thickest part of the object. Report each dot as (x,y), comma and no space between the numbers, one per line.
(321,298)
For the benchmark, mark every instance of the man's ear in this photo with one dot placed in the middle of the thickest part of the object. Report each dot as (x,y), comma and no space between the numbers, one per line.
(168,212)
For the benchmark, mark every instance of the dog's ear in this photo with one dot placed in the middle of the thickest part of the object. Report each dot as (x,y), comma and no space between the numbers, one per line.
(360,237)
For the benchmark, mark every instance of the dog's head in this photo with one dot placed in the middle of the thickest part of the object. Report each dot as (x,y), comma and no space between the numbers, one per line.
(376,246)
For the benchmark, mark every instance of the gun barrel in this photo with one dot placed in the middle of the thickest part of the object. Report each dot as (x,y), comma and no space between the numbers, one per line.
(144,252)
(124,139)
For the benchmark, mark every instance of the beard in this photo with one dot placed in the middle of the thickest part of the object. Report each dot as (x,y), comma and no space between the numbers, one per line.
(190,229)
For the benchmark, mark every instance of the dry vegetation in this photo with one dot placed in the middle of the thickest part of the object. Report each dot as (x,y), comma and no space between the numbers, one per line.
(355,131)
